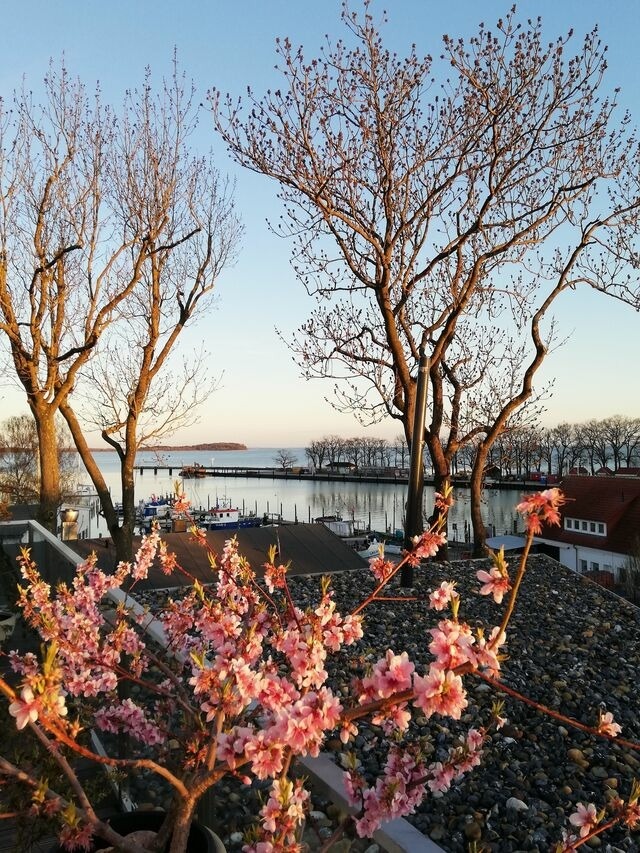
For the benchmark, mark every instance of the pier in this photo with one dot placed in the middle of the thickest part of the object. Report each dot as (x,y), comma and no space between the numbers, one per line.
(389,476)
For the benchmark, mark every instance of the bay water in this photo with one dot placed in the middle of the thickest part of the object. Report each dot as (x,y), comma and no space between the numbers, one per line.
(380,505)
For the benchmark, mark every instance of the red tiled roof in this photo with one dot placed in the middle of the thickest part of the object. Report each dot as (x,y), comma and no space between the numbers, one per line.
(614,502)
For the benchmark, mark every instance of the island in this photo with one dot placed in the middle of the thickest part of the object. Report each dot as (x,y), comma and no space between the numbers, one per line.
(214,445)
(170,448)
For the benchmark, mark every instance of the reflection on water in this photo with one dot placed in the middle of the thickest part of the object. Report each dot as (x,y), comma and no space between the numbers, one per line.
(380,505)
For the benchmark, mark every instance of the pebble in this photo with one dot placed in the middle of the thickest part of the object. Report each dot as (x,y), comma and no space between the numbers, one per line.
(557,655)
(517,805)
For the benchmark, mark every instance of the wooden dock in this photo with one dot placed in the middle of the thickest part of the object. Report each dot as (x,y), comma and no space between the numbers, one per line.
(389,476)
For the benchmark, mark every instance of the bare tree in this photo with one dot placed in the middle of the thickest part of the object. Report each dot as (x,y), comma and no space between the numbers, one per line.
(103,220)
(19,455)
(316,453)
(184,210)
(443,220)
(285,459)
(20,471)
(622,436)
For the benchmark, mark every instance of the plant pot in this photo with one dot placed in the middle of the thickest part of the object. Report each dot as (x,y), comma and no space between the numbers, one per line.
(201,838)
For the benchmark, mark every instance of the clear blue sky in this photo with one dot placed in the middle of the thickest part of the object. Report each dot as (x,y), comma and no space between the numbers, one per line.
(262,401)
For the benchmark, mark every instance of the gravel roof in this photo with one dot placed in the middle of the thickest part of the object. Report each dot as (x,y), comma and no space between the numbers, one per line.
(572,646)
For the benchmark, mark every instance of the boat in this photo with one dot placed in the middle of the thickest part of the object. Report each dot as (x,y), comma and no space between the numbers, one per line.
(156,509)
(224,516)
(193,472)
(391,549)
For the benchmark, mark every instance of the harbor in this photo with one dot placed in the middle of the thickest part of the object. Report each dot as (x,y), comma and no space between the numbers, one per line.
(375,503)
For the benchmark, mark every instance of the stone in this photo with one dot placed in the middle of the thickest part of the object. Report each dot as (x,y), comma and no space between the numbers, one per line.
(472,831)
(517,805)
(438,832)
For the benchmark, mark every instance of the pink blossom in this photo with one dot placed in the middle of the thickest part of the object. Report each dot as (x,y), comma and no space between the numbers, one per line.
(585,817)
(381,569)
(440,692)
(425,545)
(274,576)
(631,815)
(442,776)
(396,793)
(25,710)
(541,508)
(441,596)
(607,725)
(181,503)
(451,644)
(390,675)
(495,582)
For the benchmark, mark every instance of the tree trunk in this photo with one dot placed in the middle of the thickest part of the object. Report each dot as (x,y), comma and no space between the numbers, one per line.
(49,467)
(122,536)
(124,542)
(182,823)
(475,484)
(441,474)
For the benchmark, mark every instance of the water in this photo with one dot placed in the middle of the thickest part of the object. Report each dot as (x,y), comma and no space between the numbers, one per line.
(380,505)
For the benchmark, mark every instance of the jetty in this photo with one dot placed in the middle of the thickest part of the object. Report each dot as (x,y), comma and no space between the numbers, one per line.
(341,475)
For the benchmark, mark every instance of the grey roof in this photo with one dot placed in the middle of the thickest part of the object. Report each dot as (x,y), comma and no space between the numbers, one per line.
(510,543)
(311,548)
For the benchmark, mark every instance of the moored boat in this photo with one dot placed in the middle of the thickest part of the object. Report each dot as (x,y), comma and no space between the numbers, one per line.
(224,516)
(193,472)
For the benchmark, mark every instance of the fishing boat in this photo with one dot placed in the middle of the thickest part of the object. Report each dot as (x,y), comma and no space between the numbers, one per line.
(156,507)
(223,516)
(193,472)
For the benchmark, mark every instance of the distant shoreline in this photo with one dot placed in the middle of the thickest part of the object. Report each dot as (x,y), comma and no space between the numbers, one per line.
(166,448)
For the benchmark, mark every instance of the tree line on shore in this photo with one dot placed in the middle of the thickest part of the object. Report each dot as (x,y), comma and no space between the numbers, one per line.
(609,443)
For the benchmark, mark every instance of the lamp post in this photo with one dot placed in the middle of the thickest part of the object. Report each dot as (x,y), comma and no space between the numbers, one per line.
(69,524)
(413,523)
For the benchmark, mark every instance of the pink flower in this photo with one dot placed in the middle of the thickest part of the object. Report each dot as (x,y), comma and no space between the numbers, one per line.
(181,503)
(25,710)
(390,675)
(495,583)
(541,508)
(382,569)
(441,596)
(440,693)
(584,817)
(607,725)
(451,644)
(631,815)
(427,544)
(441,777)
(274,576)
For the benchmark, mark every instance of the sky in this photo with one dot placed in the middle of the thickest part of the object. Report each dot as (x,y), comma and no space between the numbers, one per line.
(261,399)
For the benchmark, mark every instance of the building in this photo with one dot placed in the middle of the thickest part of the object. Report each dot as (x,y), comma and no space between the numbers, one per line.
(600,525)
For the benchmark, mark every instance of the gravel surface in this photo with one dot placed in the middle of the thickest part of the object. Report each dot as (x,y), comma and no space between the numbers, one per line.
(571,646)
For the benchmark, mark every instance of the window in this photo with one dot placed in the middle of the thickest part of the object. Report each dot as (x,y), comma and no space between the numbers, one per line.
(596,528)
(583,566)
(595,567)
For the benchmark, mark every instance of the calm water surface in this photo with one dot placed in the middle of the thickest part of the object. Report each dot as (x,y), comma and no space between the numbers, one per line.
(381,505)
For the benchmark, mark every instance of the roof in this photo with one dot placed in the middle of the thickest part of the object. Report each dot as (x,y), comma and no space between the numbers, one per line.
(508,542)
(311,548)
(609,500)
